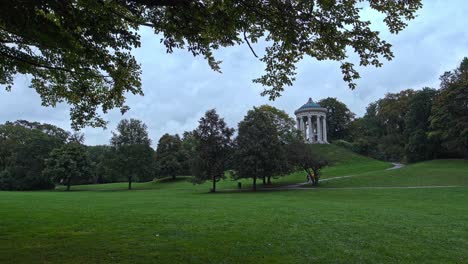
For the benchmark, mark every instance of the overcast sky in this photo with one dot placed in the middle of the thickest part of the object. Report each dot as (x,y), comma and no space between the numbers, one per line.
(180,88)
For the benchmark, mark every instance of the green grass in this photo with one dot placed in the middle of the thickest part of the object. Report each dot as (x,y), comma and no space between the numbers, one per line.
(429,173)
(178,222)
(342,162)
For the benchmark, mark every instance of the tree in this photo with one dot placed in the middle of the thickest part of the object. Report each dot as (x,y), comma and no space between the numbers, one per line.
(130,132)
(23,148)
(169,156)
(339,118)
(281,120)
(304,156)
(418,145)
(188,147)
(133,150)
(89,65)
(214,142)
(68,163)
(449,119)
(381,132)
(259,151)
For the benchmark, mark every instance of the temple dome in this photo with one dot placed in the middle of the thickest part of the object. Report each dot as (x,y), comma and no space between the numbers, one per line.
(310,105)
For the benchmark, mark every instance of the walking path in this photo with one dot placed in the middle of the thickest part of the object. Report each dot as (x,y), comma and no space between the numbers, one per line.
(289,187)
(299,185)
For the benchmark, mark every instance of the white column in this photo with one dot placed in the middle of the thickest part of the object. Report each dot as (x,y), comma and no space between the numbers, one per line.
(325,129)
(311,130)
(298,125)
(319,129)
(303,129)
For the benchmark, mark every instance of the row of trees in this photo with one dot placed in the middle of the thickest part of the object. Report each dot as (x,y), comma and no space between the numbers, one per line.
(37,156)
(412,125)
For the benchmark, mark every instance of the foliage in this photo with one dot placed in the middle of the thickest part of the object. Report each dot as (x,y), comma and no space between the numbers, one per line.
(68,164)
(169,156)
(23,148)
(449,121)
(104,161)
(129,132)
(134,155)
(89,65)
(339,118)
(214,142)
(259,151)
(281,120)
(418,145)
(381,132)
(305,157)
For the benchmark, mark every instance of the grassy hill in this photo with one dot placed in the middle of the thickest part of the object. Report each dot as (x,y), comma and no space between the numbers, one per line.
(428,173)
(342,162)
(177,222)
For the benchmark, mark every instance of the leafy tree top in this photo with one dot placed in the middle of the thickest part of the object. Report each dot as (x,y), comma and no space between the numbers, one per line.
(79,51)
(130,132)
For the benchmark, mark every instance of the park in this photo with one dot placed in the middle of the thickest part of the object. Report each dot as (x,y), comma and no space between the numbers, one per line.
(235,131)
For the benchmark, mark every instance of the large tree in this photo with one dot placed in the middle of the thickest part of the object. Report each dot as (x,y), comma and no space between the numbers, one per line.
(339,118)
(23,147)
(68,163)
(449,119)
(259,150)
(212,150)
(79,51)
(418,145)
(169,156)
(134,153)
(281,120)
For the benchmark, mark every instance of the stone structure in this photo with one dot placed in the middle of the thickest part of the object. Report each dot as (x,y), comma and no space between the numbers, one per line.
(312,122)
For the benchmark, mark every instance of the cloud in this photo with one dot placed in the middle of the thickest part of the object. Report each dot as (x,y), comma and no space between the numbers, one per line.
(180,88)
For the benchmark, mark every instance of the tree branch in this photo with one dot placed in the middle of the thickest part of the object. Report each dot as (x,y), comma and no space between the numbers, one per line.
(38,65)
(248,43)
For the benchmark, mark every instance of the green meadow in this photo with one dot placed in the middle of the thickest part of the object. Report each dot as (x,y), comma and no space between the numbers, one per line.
(356,219)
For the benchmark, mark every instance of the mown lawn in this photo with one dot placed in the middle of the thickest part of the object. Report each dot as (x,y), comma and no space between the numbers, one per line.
(174,226)
(177,222)
(428,173)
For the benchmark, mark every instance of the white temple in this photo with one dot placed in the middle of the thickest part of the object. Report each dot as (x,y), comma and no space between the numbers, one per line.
(312,122)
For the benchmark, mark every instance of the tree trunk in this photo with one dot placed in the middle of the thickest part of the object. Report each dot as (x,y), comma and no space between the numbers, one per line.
(68,184)
(130,183)
(316,178)
(255,183)
(269,180)
(264,180)
(213,189)
(173,177)
(465,154)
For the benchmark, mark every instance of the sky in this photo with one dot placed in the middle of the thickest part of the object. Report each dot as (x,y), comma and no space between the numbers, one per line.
(180,88)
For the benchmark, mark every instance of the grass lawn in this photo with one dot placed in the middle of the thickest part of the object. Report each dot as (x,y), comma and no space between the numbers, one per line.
(429,173)
(177,222)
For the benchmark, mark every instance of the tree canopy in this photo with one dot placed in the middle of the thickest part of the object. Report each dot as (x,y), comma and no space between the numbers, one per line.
(339,118)
(213,146)
(134,154)
(449,121)
(259,150)
(169,156)
(79,51)
(67,163)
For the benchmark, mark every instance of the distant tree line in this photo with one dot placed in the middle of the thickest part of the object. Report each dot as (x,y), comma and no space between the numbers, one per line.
(37,156)
(411,126)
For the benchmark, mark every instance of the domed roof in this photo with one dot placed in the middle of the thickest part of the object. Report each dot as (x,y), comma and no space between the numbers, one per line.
(310,105)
